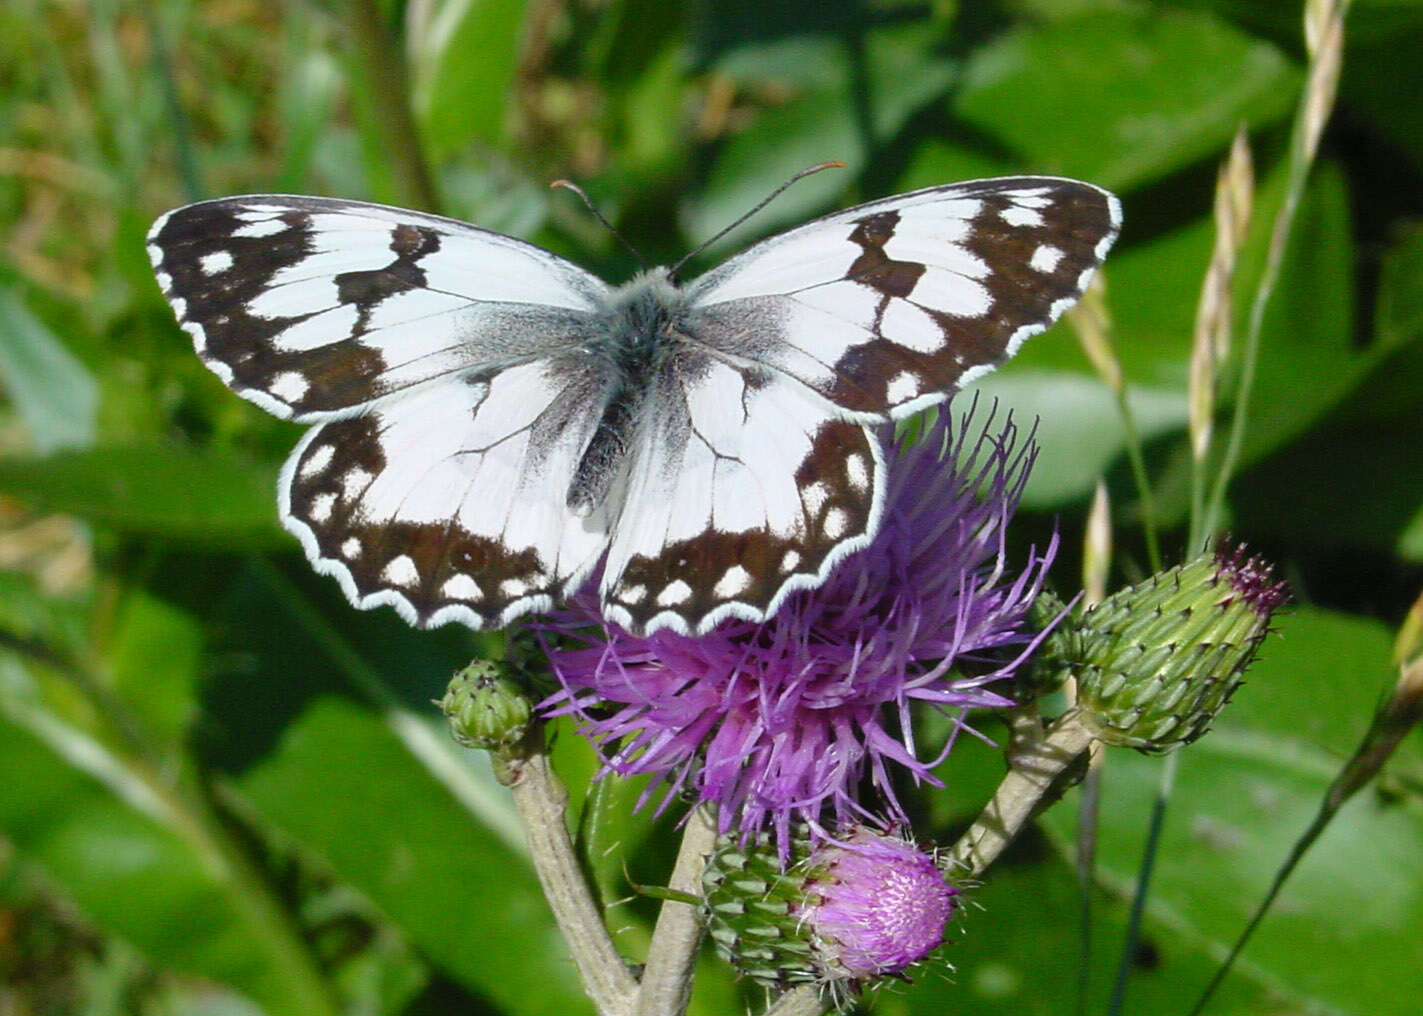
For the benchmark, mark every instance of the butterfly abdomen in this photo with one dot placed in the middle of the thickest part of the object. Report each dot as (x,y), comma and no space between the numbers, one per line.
(637,332)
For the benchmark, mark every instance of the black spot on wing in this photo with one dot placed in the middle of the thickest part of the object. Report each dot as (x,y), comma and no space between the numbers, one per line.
(366,290)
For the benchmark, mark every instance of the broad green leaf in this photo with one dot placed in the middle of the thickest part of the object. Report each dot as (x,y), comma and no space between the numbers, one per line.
(1377,435)
(1078,426)
(463,57)
(136,859)
(155,657)
(219,499)
(1121,97)
(322,717)
(1399,316)
(1333,668)
(54,394)
(1247,790)
(341,782)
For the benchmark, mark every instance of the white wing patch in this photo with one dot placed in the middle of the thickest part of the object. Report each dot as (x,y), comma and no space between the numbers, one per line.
(314,307)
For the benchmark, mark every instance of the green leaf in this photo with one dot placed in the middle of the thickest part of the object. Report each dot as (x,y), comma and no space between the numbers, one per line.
(1377,435)
(1399,317)
(1015,947)
(1121,97)
(155,657)
(1078,426)
(342,783)
(329,735)
(1316,681)
(464,57)
(214,498)
(54,394)
(846,100)
(135,858)
(1246,791)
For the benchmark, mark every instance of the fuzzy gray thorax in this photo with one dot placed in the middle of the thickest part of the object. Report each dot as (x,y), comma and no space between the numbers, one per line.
(640,326)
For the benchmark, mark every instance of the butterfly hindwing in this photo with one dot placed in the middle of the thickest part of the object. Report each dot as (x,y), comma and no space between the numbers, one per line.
(449,503)
(745,487)
(311,307)
(892,306)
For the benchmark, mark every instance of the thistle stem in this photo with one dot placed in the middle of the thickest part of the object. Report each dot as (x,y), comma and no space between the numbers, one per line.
(802,1001)
(541,801)
(667,978)
(1029,779)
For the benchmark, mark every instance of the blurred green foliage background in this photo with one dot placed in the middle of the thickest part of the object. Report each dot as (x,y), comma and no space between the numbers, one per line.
(223,791)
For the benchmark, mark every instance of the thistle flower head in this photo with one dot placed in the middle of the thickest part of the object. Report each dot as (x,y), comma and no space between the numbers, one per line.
(862,907)
(1156,662)
(875,905)
(786,721)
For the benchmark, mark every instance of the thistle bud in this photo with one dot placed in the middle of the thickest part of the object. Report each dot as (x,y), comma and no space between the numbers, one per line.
(840,915)
(485,708)
(1156,662)
(1057,654)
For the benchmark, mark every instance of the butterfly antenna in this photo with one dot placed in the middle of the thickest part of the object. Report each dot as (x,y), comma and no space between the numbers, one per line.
(677,268)
(588,203)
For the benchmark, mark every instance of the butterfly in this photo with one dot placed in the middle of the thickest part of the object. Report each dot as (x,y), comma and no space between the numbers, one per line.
(491,422)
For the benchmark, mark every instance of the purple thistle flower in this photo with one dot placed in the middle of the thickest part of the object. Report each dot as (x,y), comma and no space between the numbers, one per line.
(782,721)
(875,906)
(865,906)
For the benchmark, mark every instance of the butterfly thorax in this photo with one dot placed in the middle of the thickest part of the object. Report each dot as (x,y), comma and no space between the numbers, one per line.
(638,329)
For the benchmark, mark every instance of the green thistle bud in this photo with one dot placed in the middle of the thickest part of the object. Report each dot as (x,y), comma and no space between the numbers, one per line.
(839,915)
(486,709)
(1056,656)
(1156,662)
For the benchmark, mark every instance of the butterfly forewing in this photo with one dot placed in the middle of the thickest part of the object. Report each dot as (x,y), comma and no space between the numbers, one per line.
(313,306)
(894,305)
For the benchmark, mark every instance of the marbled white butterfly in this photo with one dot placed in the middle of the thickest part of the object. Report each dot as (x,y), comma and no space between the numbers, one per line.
(492,421)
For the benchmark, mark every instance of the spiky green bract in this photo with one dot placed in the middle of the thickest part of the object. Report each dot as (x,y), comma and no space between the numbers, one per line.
(842,915)
(485,708)
(1156,662)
